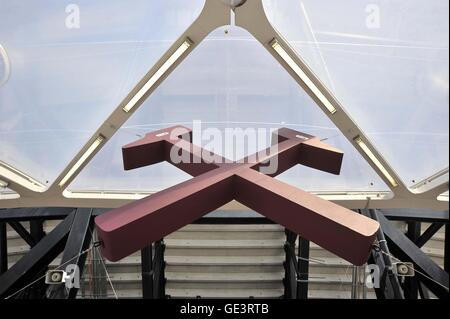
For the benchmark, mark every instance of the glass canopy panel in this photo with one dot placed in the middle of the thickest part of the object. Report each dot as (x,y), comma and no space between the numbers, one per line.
(71,65)
(228,82)
(388,63)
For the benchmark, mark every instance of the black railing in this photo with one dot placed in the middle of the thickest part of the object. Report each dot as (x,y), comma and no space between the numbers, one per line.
(153,271)
(72,235)
(296,267)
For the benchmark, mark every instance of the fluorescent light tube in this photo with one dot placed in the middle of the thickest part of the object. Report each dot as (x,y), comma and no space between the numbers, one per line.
(4,60)
(20,178)
(155,77)
(358,140)
(3,184)
(98,141)
(302,75)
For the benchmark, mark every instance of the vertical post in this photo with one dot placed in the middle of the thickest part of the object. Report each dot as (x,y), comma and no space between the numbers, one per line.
(287,267)
(385,289)
(394,284)
(99,280)
(446,249)
(423,291)
(37,229)
(411,286)
(3,248)
(163,273)
(147,272)
(286,279)
(37,232)
(303,268)
(363,281)
(290,271)
(355,281)
(158,274)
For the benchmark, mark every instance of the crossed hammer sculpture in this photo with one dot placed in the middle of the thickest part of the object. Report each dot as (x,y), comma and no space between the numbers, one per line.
(217,181)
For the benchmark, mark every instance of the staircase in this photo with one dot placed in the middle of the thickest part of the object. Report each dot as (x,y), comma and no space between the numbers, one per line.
(227,261)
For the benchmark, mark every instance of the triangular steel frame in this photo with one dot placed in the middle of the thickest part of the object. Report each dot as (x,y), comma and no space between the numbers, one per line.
(252,17)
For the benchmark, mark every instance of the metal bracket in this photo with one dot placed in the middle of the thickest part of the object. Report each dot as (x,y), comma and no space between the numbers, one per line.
(402,269)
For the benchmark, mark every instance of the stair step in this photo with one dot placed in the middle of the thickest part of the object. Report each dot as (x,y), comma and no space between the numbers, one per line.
(227,235)
(221,277)
(219,247)
(433,252)
(225,261)
(226,228)
(328,279)
(231,293)
(122,293)
(229,232)
(225,285)
(123,278)
(124,284)
(218,269)
(221,244)
(435,243)
(183,247)
(328,262)
(18,250)
(134,260)
(124,268)
(16,242)
(335,294)
(182,293)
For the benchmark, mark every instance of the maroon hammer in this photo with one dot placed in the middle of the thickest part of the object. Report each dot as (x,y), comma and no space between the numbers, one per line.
(217,181)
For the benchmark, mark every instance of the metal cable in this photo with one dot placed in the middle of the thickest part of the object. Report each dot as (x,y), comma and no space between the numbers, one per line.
(95,245)
(378,249)
(107,275)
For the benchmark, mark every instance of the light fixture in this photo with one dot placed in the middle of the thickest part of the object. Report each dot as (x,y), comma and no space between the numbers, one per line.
(5,66)
(155,77)
(359,141)
(98,141)
(3,184)
(16,176)
(303,76)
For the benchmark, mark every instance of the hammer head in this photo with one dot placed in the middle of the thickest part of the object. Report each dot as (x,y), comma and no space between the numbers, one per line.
(151,149)
(312,152)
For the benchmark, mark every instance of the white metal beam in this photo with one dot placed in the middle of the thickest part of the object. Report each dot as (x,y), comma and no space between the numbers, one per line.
(214,14)
(251,16)
(113,200)
(432,186)
(20,182)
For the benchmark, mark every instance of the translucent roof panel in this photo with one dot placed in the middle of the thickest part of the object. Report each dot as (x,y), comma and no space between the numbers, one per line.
(388,63)
(71,65)
(105,172)
(228,82)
